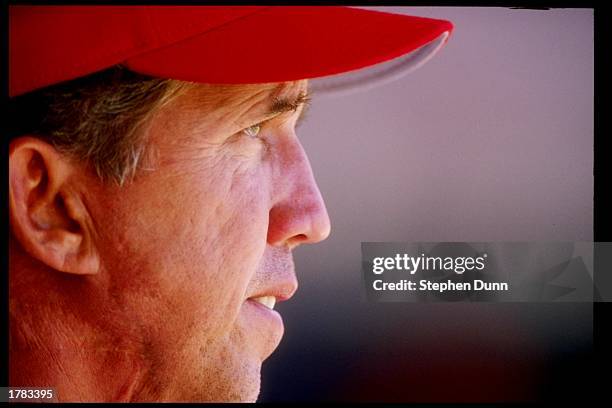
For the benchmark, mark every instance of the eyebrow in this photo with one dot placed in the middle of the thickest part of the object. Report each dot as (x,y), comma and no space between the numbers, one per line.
(282,105)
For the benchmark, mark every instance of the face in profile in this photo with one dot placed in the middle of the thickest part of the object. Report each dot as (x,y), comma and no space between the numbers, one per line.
(196,251)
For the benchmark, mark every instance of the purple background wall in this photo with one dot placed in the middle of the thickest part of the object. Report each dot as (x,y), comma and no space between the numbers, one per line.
(491,140)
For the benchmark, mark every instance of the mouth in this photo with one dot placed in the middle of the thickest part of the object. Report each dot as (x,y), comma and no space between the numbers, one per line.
(265,323)
(267,301)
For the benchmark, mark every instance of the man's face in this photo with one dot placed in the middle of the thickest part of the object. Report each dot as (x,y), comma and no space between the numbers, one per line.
(191,249)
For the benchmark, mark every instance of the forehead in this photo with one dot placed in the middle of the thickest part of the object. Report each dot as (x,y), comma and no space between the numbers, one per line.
(214,97)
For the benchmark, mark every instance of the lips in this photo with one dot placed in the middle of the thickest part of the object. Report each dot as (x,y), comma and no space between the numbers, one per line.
(267,301)
(274,281)
(262,325)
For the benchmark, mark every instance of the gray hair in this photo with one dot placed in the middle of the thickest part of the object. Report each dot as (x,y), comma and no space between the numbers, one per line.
(99,119)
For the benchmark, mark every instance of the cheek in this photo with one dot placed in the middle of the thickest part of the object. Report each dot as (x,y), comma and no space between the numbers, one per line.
(183,247)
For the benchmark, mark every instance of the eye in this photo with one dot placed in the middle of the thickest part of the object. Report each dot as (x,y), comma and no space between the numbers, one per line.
(253,130)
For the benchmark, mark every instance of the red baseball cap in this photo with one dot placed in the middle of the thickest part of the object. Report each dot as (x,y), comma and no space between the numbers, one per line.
(211,44)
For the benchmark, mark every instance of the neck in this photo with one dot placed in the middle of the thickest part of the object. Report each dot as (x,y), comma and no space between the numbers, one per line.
(76,375)
(58,338)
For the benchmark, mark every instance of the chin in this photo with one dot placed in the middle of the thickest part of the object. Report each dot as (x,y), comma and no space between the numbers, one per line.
(252,386)
(253,397)
(244,386)
(245,392)
(232,392)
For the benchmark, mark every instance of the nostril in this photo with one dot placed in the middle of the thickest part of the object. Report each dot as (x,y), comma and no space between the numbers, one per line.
(298,239)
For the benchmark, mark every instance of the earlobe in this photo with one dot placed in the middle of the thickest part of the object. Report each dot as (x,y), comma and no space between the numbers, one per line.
(47,214)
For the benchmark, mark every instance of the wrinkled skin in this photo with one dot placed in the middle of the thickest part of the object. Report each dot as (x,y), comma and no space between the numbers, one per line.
(183,250)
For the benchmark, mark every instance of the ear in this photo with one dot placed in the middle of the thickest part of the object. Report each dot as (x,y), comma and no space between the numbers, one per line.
(47,215)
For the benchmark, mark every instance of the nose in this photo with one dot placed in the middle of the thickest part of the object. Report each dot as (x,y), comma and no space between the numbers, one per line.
(298,215)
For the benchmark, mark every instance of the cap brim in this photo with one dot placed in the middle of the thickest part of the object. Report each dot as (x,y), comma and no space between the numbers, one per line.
(379,74)
(290,43)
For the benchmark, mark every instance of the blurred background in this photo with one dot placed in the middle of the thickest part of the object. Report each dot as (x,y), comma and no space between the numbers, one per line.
(491,140)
